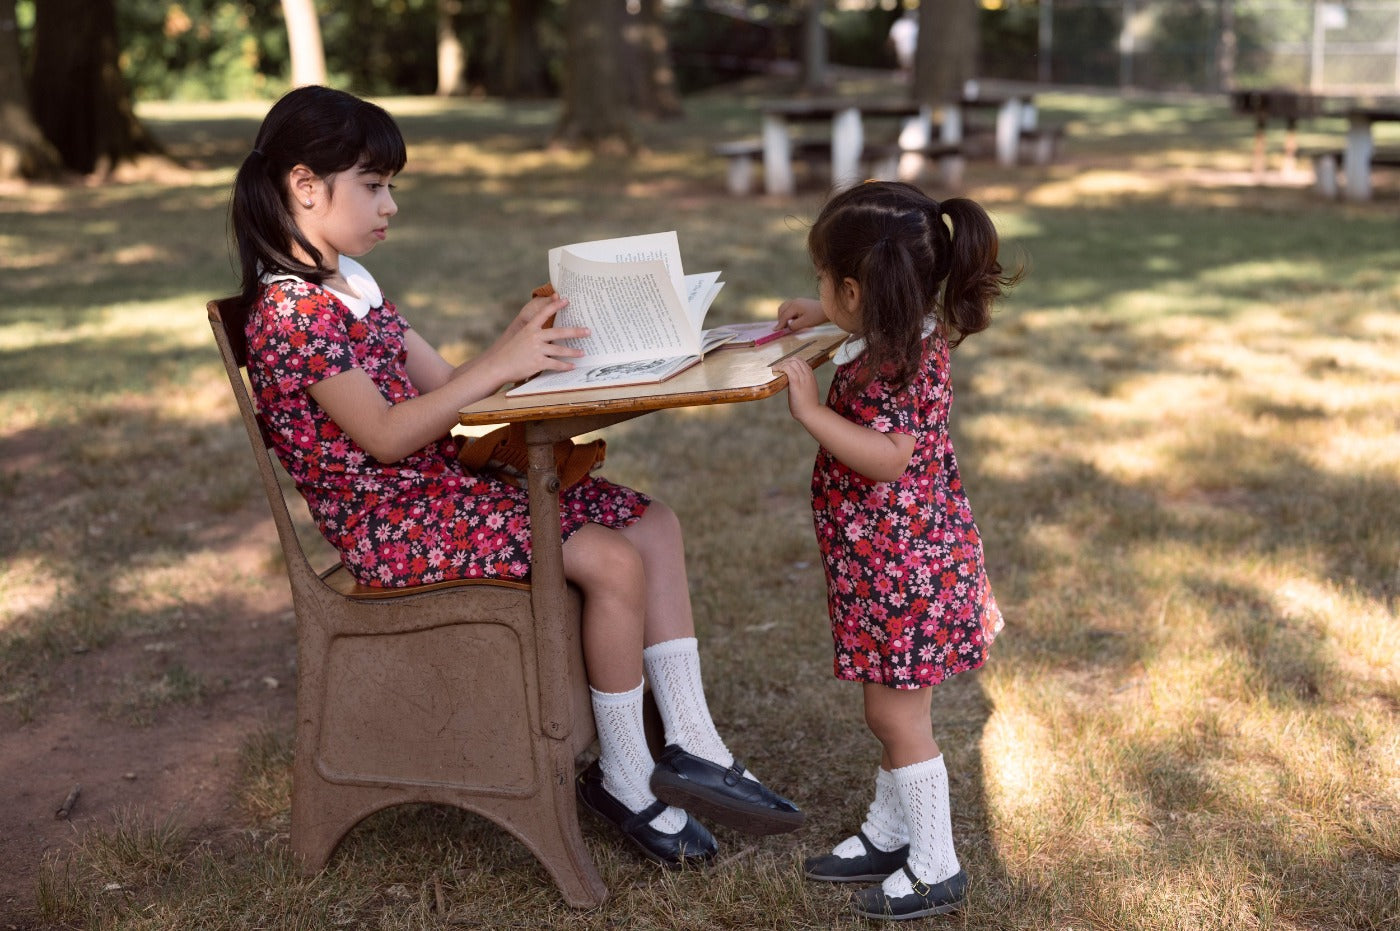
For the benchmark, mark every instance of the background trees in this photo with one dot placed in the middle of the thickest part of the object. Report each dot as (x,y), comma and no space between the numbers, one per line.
(610,61)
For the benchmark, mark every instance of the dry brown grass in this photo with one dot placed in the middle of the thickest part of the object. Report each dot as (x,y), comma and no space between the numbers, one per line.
(1181,439)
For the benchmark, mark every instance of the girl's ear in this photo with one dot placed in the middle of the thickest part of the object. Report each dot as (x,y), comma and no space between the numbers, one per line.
(303,184)
(850,293)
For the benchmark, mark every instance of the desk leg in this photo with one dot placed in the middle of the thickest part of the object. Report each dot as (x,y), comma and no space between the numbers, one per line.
(847,141)
(1356,164)
(777,156)
(548,589)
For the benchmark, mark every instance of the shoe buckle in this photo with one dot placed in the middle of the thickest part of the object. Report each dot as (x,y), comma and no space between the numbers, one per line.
(921,888)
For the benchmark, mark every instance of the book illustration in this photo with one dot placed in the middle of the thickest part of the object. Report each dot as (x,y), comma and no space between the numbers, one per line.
(643,313)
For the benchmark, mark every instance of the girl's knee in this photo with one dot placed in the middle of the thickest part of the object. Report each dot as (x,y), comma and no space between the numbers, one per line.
(660,522)
(598,556)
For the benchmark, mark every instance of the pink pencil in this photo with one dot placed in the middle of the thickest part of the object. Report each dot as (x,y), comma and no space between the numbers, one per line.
(769,337)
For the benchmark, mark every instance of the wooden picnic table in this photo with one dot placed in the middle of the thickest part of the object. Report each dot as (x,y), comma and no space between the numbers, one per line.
(1015,114)
(1361,146)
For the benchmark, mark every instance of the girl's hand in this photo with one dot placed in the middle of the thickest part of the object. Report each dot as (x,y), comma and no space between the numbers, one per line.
(536,306)
(803,398)
(529,345)
(798,313)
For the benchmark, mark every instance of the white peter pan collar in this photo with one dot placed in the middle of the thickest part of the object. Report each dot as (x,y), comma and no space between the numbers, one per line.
(364,295)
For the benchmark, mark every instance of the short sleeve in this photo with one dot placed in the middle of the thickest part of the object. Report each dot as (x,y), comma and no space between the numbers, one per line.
(299,335)
(882,408)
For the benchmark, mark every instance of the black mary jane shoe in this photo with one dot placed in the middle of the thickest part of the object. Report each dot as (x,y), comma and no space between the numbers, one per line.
(692,844)
(722,794)
(927,899)
(872,866)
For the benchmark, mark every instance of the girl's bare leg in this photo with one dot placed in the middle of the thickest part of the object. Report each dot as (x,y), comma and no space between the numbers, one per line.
(658,541)
(609,570)
(900,720)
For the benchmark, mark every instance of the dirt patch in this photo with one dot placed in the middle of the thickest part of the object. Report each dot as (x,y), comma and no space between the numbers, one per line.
(103,723)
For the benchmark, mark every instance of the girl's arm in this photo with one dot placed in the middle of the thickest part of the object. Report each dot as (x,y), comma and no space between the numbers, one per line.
(389,432)
(880,457)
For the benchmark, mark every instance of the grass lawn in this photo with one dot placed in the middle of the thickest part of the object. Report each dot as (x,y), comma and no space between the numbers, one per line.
(1181,438)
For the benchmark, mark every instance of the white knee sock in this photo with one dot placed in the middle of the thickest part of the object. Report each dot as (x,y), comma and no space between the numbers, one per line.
(625,760)
(884,821)
(673,668)
(923,790)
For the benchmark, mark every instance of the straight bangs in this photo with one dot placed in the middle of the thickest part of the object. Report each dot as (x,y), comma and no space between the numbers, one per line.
(382,148)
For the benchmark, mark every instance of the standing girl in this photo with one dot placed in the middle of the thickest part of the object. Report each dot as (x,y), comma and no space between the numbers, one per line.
(359,407)
(910,604)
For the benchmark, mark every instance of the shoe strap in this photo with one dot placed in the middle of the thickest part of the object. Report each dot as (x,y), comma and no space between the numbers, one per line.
(869,845)
(643,817)
(733,774)
(921,888)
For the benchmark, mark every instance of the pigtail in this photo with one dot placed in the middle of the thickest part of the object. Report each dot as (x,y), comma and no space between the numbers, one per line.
(974,275)
(895,297)
(263,228)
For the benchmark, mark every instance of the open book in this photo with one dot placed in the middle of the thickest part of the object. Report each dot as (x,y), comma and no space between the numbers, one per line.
(643,313)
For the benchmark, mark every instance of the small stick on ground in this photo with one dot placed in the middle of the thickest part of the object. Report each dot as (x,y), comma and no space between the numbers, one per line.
(66,808)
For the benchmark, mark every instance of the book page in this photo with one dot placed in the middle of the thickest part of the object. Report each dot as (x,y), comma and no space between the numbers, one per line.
(648,247)
(700,293)
(633,311)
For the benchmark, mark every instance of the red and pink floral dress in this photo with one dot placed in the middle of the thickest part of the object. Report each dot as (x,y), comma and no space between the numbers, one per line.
(906,586)
(421,519)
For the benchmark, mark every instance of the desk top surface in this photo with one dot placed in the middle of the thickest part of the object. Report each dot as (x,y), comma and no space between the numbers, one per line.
(726,376)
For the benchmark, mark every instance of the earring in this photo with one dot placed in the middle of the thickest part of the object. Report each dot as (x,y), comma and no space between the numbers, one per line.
(307,203)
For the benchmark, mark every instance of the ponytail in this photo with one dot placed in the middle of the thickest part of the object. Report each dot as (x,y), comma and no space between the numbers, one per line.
(974,275)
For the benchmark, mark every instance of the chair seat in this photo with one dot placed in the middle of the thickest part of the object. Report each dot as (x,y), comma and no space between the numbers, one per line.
(340,580)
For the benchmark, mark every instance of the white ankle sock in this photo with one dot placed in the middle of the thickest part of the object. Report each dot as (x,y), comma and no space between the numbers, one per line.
(923,790)
(884,821)
(673,668)
(625,760)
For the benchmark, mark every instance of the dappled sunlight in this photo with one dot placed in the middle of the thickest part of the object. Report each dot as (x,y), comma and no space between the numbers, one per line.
(29,588)
(1179,436)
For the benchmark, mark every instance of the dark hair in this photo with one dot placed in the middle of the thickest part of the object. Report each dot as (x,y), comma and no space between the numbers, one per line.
(326,130)
(895,241)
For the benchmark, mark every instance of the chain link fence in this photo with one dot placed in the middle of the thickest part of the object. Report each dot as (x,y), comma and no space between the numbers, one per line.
(1340,47)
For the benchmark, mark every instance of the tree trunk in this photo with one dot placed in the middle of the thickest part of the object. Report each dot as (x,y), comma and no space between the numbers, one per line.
(1227,47)
(816,71)
(451,54)
(652,79)
(78,97)
(946,57)
(595,112)
(304,42)
(24,152)
(523,69)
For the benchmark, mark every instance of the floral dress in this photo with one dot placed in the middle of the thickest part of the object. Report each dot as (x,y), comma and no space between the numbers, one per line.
(421,519)
(906,586)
